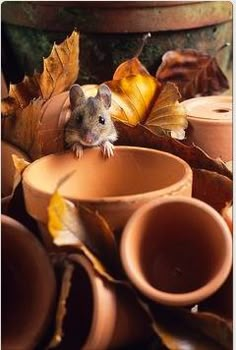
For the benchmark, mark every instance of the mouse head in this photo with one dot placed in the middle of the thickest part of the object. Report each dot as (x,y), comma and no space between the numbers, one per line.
(90,116)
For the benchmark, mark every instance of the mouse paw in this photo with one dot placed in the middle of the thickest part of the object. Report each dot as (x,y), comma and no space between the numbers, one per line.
(108,149)
(78,150)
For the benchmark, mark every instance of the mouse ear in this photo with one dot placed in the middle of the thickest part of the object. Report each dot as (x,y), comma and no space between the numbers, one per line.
(104,95)
(77,96)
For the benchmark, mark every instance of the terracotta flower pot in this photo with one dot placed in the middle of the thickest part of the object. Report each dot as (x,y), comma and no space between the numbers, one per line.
(177,251)
(115,187)
(28,287)
(8,171)
(210,124)
(111,32)
(100,314)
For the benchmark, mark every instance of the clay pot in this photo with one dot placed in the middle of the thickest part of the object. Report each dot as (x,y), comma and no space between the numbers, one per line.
(28,287)
(210,124)
(100,314)
(177,251)
(111,32)
(8,171)
(115,187)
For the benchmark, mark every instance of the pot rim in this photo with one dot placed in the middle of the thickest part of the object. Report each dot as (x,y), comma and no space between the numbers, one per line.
(172,188)
(95,338)
(212,121)
(173,299)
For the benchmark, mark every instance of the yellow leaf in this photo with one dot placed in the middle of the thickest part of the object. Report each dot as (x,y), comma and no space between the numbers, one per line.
(132,97)
(128,68)
(69,227)
(167,113)
(60,70)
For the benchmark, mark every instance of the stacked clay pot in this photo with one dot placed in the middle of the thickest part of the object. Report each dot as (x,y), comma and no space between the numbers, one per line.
(28,287)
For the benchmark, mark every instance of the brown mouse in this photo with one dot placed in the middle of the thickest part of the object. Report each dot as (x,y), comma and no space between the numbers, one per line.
(90,123)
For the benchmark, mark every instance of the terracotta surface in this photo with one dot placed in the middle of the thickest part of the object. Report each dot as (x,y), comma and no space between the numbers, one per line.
(210,124)
(28,287)
(177,251)
(8,170)
(117,17)
(115,187)
(111,318)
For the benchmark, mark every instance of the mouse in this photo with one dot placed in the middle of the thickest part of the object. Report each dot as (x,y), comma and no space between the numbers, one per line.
(90,123)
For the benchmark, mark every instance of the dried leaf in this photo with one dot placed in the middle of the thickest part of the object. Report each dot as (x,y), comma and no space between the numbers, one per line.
(180,329)
(167,113)
(193,155)
(128,68)
(22,130)
(212,188)
(60,70)
(69,227)
(61,305)
(132,98)
(194,72)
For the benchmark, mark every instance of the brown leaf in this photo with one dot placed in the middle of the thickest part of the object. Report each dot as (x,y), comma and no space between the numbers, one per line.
(128,68)
(61,305)
(194,72)
(60,70)
(22,129)
(212,188)
(193,155)
(167,113)
(180,329)
(87,232)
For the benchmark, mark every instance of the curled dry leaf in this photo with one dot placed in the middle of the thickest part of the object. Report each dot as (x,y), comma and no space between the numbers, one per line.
(194,72)
(84,230)
(60,70)
(212,188)
(167,113)
(138,98)
(22,129)
(132,98)
(180,329)
(128,68)
(61,305)
(193,155)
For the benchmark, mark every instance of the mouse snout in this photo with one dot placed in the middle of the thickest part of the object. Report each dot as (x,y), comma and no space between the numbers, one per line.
(89,137)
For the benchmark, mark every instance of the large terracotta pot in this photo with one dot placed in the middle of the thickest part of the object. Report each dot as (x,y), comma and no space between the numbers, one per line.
(28,287)
(100,314)
(210,124)
(111,32)
(115,187)
(177,250)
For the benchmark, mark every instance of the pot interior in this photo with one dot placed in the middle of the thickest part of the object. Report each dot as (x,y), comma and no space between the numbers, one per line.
(79,315)
(180,247)
(129,172)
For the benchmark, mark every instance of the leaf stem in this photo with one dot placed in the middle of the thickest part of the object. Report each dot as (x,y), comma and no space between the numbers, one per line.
(144,41)
(222,47)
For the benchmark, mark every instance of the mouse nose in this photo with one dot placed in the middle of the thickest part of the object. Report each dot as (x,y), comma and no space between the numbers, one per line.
(89,137)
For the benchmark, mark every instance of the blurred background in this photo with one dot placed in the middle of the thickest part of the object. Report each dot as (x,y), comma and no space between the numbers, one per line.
(111,32)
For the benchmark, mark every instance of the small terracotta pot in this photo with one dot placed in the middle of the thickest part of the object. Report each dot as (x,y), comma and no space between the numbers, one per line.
(28,287)
(100,314)
(115,187)
(8,171)
(177,251)
(210,124)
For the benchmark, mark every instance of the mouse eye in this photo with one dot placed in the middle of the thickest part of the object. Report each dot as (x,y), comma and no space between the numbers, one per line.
(79,118)
(101,120)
